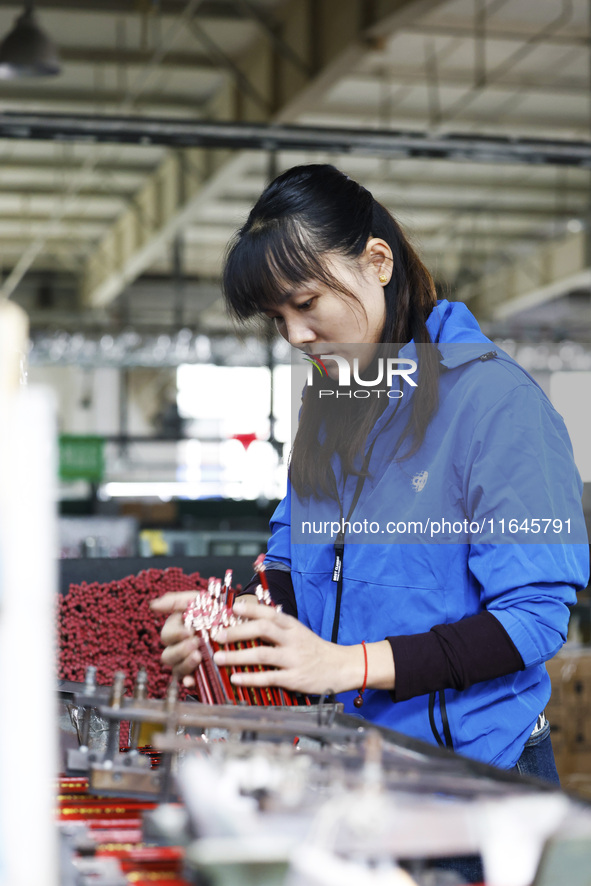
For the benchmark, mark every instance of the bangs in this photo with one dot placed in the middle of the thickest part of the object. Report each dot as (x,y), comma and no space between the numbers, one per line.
(266,263)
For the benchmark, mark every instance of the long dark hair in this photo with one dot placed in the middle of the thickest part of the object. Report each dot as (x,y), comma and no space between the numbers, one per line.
(305,213)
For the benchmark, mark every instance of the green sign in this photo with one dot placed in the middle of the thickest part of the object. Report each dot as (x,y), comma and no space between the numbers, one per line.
(81,457)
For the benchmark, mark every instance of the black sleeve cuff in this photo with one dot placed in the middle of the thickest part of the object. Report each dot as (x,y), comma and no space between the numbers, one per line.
(280,588)
(453,656)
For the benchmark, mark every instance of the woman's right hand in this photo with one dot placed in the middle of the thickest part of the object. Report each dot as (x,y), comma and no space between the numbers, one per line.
(181,652)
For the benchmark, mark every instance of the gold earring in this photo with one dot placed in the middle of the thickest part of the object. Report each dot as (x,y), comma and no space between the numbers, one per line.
(383,278)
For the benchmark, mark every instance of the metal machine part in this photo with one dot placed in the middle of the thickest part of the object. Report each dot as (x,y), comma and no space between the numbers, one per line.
(273,793)
(323,731)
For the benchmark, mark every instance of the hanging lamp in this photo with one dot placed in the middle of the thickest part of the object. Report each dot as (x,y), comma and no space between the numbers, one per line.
(27,51)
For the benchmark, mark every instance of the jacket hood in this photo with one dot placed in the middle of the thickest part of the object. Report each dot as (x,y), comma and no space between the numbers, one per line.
(459,340)
(455,333)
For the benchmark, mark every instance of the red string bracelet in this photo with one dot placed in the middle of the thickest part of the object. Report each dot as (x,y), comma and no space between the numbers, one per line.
(359,700)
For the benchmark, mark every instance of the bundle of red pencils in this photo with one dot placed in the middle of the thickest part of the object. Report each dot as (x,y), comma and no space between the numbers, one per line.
(205,615)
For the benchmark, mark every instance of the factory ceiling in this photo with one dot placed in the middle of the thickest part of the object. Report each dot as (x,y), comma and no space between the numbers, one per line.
(94,235)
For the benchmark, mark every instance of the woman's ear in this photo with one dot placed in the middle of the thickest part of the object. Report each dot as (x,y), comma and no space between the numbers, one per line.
(379,257)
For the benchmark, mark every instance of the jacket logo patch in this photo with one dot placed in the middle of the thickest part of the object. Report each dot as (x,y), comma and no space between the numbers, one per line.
(419,480)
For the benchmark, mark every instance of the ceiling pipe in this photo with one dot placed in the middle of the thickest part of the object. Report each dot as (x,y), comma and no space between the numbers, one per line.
(274,137)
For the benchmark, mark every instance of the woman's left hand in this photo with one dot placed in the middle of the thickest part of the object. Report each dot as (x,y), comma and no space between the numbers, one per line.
(303,661)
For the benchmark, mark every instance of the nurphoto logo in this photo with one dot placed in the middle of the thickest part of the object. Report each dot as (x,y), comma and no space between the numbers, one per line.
(385,368)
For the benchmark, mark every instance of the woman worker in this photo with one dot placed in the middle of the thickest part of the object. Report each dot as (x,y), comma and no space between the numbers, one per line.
(444,637)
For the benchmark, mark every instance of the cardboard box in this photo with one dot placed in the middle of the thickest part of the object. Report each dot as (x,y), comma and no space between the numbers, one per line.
(569,712)
(558,734)
(578,763)
(578,732)
(570,674)
(563,765)
(579,782)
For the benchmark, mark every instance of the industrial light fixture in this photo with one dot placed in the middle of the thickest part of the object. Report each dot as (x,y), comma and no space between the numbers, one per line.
(27,51)
(575,225)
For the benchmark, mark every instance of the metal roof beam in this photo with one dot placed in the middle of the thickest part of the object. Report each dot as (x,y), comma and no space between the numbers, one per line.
(18,164)
(513,32)
(337,113)
(81,230)
(554,268)
(395,75)
(404,201)
(112,193)
(404,186)
(224,10)
(163,103)
(437,237)
(14,241)
(329,36)
(75,217)
(90,55)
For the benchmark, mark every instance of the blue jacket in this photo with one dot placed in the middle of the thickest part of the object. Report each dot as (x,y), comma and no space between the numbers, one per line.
(495,449)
